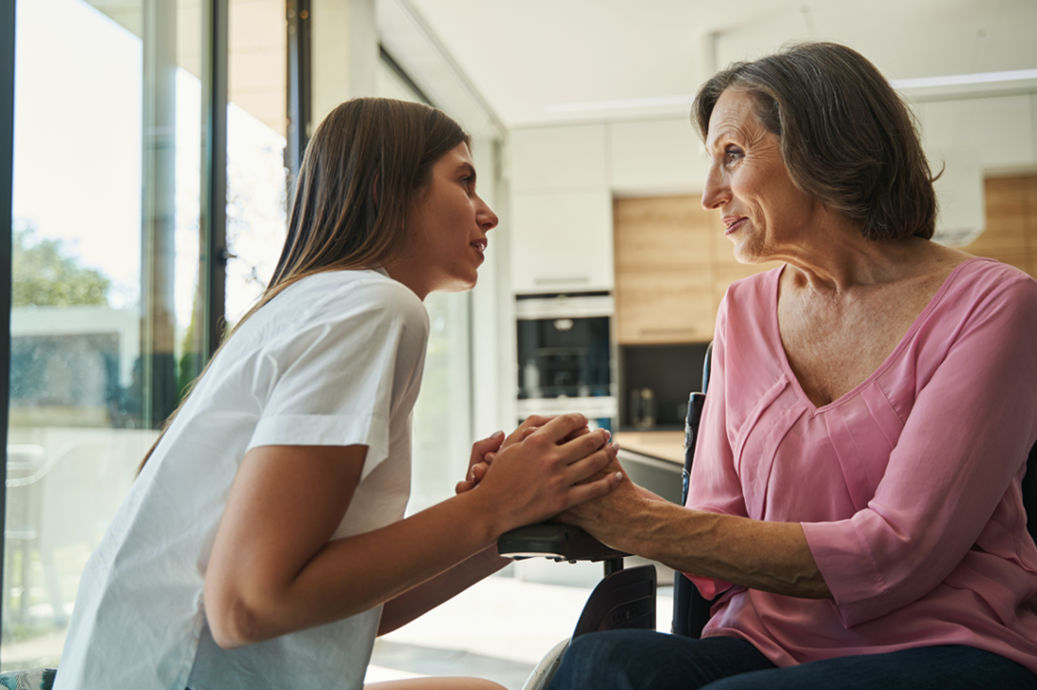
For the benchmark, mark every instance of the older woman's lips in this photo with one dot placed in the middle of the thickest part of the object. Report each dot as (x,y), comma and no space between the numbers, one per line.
(732,223)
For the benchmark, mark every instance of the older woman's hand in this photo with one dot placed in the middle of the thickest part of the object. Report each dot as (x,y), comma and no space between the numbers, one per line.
(606,518)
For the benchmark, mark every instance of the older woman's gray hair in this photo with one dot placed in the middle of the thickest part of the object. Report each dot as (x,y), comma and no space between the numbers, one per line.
(846,136)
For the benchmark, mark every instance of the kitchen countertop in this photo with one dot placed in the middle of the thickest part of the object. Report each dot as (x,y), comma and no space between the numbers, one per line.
(665,445)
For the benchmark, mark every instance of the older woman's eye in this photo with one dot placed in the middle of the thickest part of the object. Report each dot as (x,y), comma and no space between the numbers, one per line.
(732,154)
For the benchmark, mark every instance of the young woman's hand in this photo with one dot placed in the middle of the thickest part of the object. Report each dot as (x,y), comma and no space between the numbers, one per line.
(548,469)
(485,450)
(482,454)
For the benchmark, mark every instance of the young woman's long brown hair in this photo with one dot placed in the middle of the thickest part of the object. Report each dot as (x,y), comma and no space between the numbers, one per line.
(364,166)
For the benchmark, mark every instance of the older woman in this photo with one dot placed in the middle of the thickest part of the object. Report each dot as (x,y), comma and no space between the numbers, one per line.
(855,500)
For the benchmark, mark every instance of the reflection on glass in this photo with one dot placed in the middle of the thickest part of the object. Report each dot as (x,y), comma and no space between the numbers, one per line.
(105,239)
(256,174)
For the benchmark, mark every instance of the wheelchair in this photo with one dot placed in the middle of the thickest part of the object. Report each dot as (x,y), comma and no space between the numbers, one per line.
(625,598)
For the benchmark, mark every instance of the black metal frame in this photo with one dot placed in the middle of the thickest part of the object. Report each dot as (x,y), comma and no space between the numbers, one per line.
(7,36)
(213,243)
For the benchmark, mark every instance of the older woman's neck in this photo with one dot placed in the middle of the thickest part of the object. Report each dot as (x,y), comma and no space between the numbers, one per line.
(844,260)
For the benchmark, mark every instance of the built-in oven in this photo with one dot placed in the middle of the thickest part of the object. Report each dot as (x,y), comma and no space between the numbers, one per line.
(565,356)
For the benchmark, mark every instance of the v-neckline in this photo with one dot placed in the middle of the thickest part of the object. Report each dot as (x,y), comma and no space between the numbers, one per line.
(790,374)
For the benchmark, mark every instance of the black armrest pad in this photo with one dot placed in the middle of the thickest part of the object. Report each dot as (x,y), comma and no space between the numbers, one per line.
(554,540)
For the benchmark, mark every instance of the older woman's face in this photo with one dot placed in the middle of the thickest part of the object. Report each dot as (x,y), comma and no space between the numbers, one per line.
(764,213)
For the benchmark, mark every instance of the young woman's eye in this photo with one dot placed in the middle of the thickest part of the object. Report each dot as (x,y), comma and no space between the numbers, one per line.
(468,182)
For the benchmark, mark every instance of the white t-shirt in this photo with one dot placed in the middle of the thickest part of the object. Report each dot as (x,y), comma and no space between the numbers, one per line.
(335,359)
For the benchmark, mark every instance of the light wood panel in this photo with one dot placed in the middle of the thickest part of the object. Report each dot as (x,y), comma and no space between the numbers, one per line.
(1010,224)
(673,266)
(663,271)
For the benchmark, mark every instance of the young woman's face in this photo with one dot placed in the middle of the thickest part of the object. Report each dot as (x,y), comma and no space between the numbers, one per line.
(447,225)
(764,213)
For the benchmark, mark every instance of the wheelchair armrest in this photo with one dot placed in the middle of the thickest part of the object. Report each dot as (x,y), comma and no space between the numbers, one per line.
(555,540)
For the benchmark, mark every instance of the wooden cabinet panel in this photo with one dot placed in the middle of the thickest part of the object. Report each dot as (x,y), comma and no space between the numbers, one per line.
(673,266)
(1011,229)
(663,278)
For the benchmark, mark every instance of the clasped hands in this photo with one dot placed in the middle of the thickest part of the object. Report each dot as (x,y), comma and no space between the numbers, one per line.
(586,474)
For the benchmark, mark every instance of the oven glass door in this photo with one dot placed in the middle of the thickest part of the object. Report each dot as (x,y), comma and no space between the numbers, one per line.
(563,357)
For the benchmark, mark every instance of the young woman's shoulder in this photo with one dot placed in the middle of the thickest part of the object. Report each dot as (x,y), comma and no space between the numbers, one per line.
(345,293)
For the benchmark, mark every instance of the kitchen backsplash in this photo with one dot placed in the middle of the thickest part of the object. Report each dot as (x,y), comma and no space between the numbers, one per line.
(655,381)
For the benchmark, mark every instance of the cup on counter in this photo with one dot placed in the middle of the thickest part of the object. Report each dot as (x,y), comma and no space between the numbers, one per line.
(642,408)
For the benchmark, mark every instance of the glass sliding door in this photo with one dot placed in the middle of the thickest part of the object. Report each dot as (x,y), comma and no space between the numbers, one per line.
(109,235)
(257,177)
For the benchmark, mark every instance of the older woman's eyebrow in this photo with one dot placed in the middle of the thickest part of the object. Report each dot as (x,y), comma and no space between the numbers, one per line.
(723,136)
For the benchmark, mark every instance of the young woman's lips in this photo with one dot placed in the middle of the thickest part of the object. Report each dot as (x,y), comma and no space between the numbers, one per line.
(732,223)
(480,246)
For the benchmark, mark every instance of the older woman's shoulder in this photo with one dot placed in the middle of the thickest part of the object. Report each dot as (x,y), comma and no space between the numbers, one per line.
(985,270)
(982,280)
(761,284)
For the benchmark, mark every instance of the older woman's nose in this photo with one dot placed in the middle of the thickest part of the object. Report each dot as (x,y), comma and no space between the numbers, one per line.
(715,193)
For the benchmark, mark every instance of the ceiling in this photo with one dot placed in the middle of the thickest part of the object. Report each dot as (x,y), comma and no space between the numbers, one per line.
(536,62)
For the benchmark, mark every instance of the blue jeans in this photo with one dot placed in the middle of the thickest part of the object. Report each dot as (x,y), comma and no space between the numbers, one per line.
(629,659)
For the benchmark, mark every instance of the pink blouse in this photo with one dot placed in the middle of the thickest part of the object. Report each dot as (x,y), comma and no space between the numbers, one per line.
(907,487)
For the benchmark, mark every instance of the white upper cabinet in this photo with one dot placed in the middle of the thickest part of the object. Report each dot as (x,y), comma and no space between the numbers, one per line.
(561,241)
(558,158)
(656,158)
(561,210)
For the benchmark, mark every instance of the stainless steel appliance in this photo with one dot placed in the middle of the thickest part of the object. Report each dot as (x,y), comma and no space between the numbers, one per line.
(565,359)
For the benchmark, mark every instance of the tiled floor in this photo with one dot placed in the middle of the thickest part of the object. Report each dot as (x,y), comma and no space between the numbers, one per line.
(498,629)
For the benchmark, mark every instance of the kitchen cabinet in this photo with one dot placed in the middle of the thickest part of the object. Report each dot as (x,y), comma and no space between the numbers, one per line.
(560,241)
(673,266)
(1011,228)
(561,210)
(558,158)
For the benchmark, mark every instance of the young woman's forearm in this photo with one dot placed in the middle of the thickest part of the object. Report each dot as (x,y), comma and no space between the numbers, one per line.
(404,608)
(356,573)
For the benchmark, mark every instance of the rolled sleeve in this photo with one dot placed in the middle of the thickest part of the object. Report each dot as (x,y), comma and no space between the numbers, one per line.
(340,381)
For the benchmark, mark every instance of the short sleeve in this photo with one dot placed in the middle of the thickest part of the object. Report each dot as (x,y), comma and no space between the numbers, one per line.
(353,366)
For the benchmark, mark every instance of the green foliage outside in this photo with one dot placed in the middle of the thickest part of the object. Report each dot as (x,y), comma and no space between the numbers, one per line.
(43,275)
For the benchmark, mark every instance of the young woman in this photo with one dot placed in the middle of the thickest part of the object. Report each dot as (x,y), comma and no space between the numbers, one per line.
(264,545)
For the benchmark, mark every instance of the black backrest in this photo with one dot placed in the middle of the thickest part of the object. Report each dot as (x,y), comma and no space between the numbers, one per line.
(1030,492)
(690,609)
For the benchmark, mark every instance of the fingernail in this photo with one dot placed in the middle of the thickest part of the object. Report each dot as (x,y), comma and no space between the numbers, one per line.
(497,434)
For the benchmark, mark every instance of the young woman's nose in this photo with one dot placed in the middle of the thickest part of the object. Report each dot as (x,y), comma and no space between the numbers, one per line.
(485,216)
(716,193)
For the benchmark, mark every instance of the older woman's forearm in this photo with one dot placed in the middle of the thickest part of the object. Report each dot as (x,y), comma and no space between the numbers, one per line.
(770,556)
